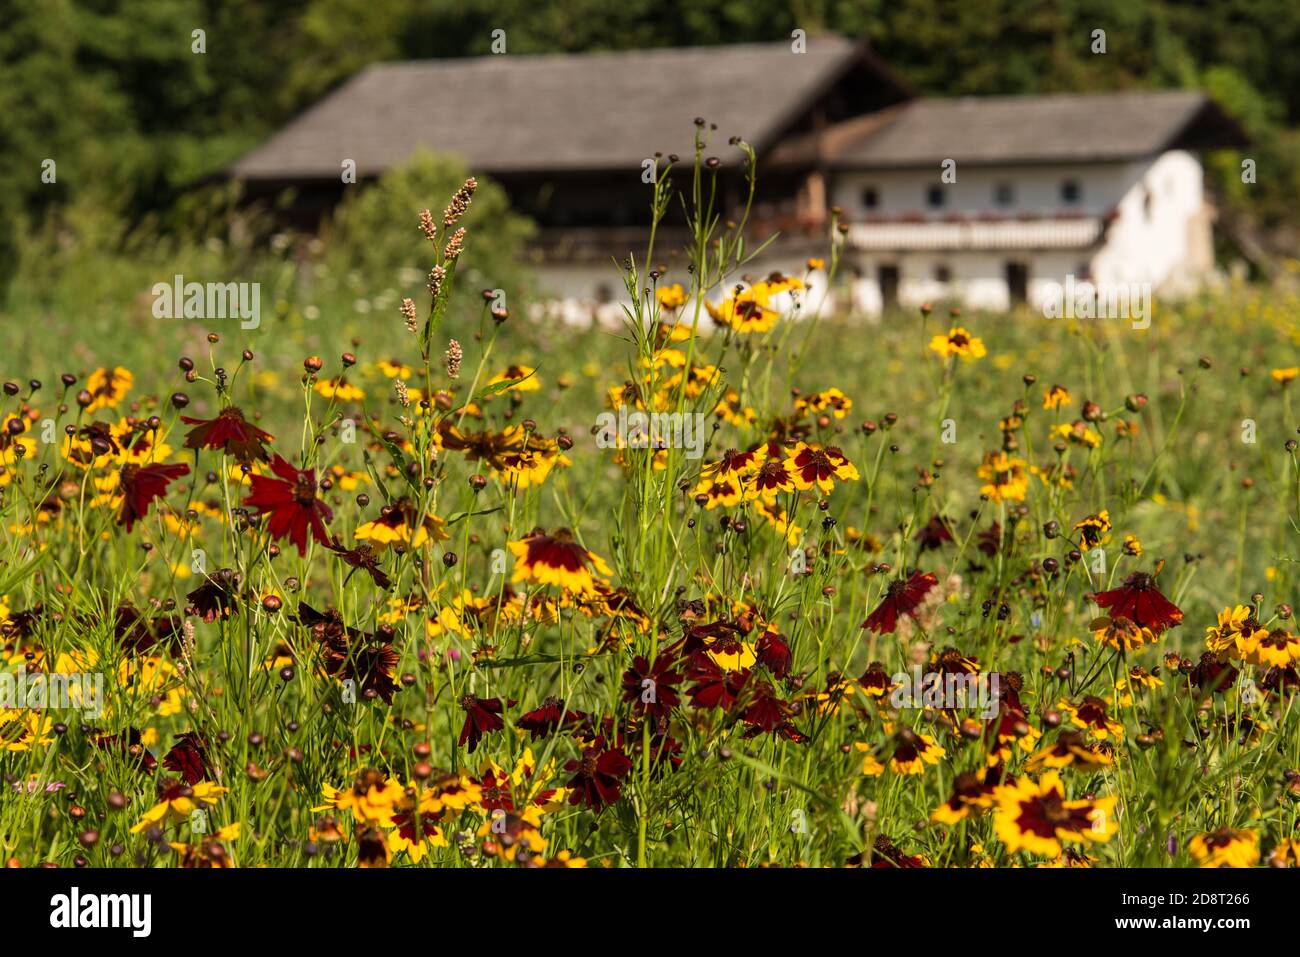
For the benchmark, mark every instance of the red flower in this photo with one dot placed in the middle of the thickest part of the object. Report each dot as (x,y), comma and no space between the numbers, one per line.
(367,660)
(481,716)
(652,691)
(1139,600)
(768,714)
(715,688)
(292,504)
(229,432)
(362,557)
(902,598)
(934,534)
(546,719)
(189,758)
(141,484)
(218,596)
(774,654)
(599,771)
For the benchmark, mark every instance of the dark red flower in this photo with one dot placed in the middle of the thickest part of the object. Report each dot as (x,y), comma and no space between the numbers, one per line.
(218,596)
(652,691)
(934,534)
(481,716)
(768,714)
(774,654)
(189,758)
(1139,600)
(598,773)
(291,502)
(876,681)
(495,792)
(229,432)
(548,718)
(902,598)
(714,687)
(885,855)
(141,484)
(363,557)
(1212,675)
(367,660)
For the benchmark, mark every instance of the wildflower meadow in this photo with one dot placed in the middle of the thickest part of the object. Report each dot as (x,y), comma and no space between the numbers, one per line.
(737,582)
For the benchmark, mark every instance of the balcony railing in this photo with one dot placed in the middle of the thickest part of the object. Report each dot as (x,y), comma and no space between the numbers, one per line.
(1051,232)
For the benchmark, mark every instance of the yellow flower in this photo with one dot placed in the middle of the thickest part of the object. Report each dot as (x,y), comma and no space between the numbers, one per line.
(1005,478)
(395,369)
(958,342)
(1092,530)
(1036,817)
(177,802)
(107,387)
(1225,848)
(1056,397)
(832,400)
(521,379)
(809,465)
(1236,634)
(556,560)
(671,297)
(747,311)
(1285,375)
(337,388)
(373,799)
(1275,649)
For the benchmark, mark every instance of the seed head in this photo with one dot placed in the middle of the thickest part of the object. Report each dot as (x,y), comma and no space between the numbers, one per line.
(427,226)
(436,275)
(455,246)
(453,358)
(408,316)
(459,203)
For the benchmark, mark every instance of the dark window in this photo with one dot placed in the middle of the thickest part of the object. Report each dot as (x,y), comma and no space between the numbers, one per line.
(942,273)
(888,288)
(1071,191)
(1017,282)
(869,198)
(1004,194)
(935,197)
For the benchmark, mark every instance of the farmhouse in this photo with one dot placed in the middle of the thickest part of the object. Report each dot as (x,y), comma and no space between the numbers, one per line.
(989,201)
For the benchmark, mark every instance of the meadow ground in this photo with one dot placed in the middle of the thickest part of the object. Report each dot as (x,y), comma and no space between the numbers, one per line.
(530,645)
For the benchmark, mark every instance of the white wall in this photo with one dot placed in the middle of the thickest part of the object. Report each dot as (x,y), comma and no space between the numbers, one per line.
(1161,242)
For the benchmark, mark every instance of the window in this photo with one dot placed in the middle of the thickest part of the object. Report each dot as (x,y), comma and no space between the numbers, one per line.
(935,197)
(942,273)
(1071,192)
(1004,194)
(869,198)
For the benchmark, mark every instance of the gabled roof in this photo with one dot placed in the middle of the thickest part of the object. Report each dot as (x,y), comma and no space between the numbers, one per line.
(1009,130)
(562,112)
